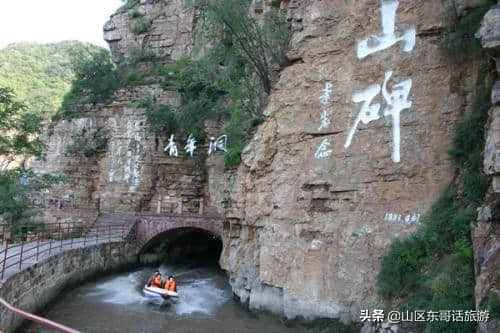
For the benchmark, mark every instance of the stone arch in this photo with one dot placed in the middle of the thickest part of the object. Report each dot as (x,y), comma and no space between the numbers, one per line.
(175,233)
(152,227)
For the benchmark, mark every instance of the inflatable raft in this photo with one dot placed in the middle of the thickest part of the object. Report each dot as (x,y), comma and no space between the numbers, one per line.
(159,292)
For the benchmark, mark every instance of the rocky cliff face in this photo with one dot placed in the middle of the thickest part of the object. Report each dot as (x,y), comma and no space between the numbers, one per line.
(133,173)
(352,153)
(486,232)
(169,32)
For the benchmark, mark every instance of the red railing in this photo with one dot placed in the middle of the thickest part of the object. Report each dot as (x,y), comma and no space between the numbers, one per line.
(39,320)
(27,244)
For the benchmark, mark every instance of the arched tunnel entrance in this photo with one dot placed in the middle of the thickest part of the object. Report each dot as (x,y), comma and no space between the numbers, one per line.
(188,245)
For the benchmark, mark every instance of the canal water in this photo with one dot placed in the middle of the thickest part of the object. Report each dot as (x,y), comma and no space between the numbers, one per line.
(116,304)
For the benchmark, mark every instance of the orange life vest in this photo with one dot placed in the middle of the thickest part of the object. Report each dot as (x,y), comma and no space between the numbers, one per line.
(157,282)
(171,285)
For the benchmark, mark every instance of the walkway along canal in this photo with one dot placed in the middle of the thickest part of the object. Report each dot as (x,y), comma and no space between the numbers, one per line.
(39,271)
(37,263)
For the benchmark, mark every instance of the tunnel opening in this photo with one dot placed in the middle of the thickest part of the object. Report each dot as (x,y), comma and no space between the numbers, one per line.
(191,246)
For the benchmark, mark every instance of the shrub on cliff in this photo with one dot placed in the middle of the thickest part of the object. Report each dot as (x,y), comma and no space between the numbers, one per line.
(139,24)
(261,44)
(161,118)
(460,42)
(129,5)
(95,80)
(237,128)
(216,86)
(230,81)
(89,142)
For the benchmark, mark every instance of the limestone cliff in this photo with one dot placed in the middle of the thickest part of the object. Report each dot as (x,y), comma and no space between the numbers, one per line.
(352,153)
(133,173)
(169,32)
(486,232)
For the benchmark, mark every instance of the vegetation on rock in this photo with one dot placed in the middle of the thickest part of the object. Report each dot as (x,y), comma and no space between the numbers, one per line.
(89,142)
(434,269)
(460,42)
(129,5)
(95,80)
(231,80)
(260,44)
(139,24)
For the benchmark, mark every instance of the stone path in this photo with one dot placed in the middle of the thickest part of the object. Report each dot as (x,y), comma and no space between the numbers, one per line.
(45,247)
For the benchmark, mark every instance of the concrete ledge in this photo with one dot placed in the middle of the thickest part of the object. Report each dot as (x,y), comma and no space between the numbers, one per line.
(34,287)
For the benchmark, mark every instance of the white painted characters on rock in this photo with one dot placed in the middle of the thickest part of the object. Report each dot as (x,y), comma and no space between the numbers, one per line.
(368,112)
(408,219)
(136,169)
(325,120)
(128,163)
(327,91)
(396,101)
(325,99)
(388,37)
(111,172)
(171,147)
(126,167)
(217,144)
(190,146)
(323,151)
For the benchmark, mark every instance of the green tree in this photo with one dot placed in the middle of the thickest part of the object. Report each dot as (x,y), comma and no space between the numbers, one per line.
(261,43)
(40,74)
(14,203)
(231,80)
(88,142)
(19,128)
(95,78)
(19,135)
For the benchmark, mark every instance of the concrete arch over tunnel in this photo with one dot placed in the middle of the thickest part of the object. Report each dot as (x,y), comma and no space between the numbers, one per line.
(174,238)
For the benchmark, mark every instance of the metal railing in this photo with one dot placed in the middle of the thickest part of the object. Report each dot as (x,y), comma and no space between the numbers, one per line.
(39,320)
(26,244)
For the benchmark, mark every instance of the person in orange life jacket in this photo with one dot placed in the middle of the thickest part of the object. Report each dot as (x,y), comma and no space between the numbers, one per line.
(155,280)
(170,284)
(150,280)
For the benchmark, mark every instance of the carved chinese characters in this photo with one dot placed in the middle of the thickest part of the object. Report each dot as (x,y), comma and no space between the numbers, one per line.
(191,145)
(171,147)
(396,97)
(396,101)
(215,144)
(323,150)
(388,37)
(325,100)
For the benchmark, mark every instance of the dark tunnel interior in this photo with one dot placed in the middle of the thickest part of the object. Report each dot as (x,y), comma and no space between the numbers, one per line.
(185,245)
